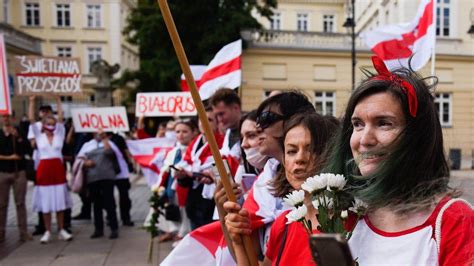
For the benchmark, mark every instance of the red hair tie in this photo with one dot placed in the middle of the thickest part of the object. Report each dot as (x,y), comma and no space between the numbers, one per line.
(385,74)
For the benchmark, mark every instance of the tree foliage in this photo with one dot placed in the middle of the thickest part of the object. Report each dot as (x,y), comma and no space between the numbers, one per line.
(204,27)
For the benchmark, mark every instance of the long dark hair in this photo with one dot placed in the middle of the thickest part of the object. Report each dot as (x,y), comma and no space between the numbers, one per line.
(322,129)
(416,169)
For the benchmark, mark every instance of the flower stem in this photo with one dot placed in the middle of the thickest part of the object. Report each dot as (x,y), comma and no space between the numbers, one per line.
(150,250)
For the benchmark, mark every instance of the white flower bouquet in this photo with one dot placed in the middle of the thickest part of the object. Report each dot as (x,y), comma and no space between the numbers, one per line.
(330,198)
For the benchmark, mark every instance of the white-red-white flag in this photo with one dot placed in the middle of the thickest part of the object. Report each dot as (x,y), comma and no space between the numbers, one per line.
(395,44)
(198,71)
(5,107)
(206,245)
(223,71)
(149,154)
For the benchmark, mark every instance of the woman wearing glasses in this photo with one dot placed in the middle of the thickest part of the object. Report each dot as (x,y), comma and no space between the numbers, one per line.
(306,137)
(261,204)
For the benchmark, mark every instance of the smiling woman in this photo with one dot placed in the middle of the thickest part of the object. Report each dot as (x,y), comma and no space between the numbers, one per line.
(391,148)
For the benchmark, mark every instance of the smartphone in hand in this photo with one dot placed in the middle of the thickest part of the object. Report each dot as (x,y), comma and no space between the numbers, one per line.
(330,250)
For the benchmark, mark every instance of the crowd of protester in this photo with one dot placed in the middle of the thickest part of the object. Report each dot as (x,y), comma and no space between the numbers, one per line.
(388,144)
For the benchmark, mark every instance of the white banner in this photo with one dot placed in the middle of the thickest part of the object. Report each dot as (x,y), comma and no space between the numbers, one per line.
(43,75)
(5,107)
(165,104)
(91,119)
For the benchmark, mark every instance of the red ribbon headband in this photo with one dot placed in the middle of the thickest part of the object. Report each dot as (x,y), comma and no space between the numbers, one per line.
(385,74)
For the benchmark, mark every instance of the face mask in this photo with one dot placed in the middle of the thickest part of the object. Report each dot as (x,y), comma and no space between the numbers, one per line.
(255,158)
(170,134)
(49,128)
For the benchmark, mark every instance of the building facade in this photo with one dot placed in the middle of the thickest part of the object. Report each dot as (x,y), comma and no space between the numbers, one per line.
(305,47)
(85,29)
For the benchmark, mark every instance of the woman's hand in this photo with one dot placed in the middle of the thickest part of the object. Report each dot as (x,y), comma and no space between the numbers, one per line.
(89,163)
(237,221)
(182,174)
(220,197)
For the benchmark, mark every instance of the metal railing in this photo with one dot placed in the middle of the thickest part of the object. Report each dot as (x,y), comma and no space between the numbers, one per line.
(300,40)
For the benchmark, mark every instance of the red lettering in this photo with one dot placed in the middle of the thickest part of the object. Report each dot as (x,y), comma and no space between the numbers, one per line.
(190,107)
(179,103)
(120,123)
(94,121)
(84,123)
(142,107)
(161,104)
(171,107)
(112,121)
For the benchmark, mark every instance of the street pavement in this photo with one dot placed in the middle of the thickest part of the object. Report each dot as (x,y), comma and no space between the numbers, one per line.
(130,248)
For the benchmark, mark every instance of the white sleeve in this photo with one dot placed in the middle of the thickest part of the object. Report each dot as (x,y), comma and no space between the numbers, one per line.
(33,131)
(60,130)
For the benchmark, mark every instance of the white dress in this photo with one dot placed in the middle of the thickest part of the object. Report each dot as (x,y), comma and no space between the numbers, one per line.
(50,193)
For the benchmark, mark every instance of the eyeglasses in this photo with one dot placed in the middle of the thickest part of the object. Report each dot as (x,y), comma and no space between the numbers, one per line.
(267,118)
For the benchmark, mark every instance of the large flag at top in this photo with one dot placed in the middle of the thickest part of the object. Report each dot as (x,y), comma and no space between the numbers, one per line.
(395,44)
(222,72)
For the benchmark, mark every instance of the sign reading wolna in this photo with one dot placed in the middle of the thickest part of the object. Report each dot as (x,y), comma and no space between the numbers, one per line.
(165,104)
(109,119)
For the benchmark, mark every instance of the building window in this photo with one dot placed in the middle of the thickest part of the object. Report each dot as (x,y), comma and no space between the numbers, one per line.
(442,18)
(325,103)
(93,54)
(63,15)
(32,14)
(443,104)
(328,23)
(67,99)
(302,22)
(275,22)
(94,16)
(64,51)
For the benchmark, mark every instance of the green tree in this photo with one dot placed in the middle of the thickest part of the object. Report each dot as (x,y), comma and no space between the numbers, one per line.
(204,27)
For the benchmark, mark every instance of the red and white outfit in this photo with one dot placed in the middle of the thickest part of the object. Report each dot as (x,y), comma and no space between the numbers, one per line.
(207,246)
(50,193)
(296,250)
(420,245)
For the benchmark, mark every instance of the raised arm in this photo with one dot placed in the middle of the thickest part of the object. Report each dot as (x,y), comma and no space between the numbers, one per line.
(59,108)
(31,109)
(70,135)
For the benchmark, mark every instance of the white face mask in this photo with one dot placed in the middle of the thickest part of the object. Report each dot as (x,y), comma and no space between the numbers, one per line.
(170,134)
(255,158)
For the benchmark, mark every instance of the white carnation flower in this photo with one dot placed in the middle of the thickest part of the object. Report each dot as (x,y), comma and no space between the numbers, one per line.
(295,198)
(315,183)
(336,182)
(359,207)
(344,214)
(326,201)
(297,214)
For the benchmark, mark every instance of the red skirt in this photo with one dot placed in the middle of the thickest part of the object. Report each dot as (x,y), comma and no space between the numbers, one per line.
(50,172)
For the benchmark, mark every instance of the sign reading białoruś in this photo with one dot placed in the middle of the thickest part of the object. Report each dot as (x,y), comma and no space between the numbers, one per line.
(45,75)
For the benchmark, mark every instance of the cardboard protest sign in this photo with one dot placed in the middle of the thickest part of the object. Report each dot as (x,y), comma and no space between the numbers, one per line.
(41,75)
(165,104)
(5,105)
(109,119)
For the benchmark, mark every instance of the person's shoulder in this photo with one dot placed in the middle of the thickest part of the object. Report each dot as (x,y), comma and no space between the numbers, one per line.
(281,220)
(453,214)
(458,209)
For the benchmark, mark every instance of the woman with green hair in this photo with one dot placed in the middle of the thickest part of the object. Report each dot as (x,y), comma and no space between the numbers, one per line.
(390,148)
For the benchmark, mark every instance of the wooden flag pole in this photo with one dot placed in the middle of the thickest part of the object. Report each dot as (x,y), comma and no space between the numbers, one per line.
(183,61)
